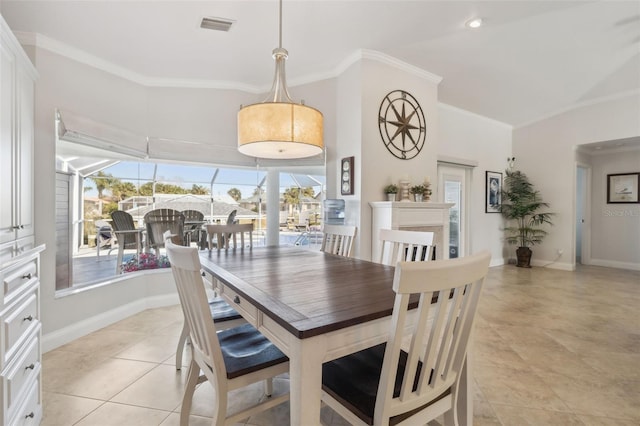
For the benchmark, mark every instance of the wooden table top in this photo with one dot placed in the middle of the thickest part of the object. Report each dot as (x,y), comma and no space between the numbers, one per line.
(307,292)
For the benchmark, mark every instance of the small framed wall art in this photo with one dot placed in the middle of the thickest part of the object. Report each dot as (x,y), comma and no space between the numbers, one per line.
(492,192)
(346,176)
(622,188)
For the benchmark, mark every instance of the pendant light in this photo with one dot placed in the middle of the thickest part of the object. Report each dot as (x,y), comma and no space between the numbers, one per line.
(278,127)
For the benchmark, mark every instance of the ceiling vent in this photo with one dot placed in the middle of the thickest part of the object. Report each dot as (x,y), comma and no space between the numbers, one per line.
(218,24)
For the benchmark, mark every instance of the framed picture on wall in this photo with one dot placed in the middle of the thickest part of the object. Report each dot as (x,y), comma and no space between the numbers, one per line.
(346,176)
(623,188)
(493,187)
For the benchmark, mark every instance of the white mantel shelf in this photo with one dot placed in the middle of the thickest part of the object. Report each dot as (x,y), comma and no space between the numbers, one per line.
(425,216)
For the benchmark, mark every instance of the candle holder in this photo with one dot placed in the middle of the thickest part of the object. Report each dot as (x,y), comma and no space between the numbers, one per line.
(404,191)
(427,193)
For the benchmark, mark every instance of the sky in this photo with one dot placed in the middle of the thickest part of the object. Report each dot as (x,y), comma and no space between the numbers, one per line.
(186,176)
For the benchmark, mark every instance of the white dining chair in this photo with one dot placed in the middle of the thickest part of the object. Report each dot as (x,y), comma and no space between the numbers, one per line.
(229,359)
(385,384)
(405,246)
(338,239)
(222,314)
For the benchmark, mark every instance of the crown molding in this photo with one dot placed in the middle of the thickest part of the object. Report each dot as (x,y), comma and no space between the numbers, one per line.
(474,115)
(401,65)
(63,49)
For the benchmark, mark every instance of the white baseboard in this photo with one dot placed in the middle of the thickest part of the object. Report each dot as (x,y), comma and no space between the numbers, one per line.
(563,266)
(497,262)
(65,335)
(615,264)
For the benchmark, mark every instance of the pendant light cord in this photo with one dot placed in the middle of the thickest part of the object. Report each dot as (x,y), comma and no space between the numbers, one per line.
(280,25)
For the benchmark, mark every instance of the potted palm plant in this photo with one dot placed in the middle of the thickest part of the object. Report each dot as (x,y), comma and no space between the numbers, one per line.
(391,190)
(521,204)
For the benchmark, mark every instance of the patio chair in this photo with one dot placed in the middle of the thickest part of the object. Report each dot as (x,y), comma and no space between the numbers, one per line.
(389,384)
(230,359)
(338,239)
(128,236)
(105,237)
(222,240)
(231,219)
(158,222)
(193,231)
(405,246)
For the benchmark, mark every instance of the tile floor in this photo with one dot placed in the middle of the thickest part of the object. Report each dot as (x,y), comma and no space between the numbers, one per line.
(551,348)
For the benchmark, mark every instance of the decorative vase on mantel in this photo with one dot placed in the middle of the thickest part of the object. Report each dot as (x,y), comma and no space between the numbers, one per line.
(418,197)
(391,196)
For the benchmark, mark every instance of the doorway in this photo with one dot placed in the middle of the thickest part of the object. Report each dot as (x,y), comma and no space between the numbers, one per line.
(582,218)
(452,187)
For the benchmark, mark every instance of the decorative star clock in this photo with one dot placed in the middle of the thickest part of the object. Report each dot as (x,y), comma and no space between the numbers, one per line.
(346,176)
(402,125)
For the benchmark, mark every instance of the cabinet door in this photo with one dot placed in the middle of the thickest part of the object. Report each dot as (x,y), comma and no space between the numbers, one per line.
(24,159)
(7,132)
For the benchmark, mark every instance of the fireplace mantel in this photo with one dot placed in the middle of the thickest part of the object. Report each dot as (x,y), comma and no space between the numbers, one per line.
(411,216)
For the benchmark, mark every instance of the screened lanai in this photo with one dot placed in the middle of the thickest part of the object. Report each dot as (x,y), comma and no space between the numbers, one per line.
(97,176)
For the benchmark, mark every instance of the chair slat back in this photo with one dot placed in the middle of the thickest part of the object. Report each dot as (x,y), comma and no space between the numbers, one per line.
(160,220)
(440,336)
(185,266)
(225,233)
(193,215)
(338,239)
(123,221)
(405,246)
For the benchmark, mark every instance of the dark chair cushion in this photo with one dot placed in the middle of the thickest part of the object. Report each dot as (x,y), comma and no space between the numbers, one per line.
(221,311)
(353,381)
(246,350)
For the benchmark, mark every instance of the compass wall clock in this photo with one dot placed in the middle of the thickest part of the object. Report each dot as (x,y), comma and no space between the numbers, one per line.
(402,125)
(346,176)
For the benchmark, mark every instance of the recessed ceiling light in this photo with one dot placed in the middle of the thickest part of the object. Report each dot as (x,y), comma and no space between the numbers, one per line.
(474,23)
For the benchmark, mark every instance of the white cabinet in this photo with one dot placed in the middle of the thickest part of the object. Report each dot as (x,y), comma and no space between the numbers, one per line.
(20,339)
(17,76)
(410,216)
(20,326)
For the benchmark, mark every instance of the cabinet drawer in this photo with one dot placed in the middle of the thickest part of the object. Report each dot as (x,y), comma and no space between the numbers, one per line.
(240,304)
(29,413)
(17,278)
(18,321)
(21,373)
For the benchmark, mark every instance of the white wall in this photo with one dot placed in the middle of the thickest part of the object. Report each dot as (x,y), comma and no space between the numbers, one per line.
(615,228)
(545,152)
(472,138)
(379,166)
(348,108)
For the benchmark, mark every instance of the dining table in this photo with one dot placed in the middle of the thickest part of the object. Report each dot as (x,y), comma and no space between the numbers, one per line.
(315,307)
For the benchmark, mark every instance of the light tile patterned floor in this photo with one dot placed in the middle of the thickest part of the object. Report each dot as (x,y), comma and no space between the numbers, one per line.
(551,348)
